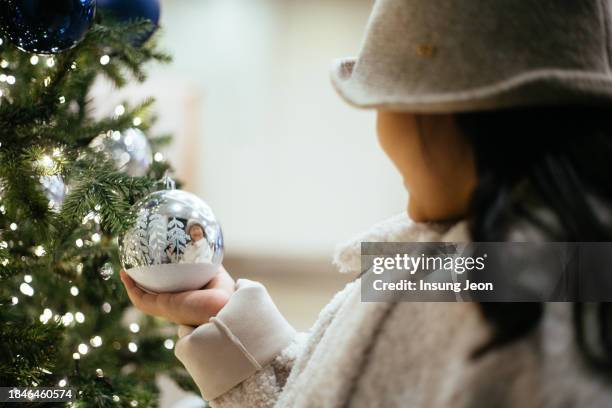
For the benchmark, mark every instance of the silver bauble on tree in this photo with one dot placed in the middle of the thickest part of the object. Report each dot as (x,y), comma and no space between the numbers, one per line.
(129,149)
(176,243)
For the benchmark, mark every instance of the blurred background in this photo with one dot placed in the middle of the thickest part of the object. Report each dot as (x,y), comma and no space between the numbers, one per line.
(289,169)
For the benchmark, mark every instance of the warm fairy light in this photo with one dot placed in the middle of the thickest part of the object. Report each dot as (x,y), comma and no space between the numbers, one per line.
(39,250)
(79,268)
(134,403)
(119,110)
(47,81)
(106,307)
(3,244)
(116,135)
(50,62)
(79,243)
(13,226)
(116,398)
(46,316)
(14,300)
(83,349)
(46,161)
(26,289)
(76,356)
(80,317)
(67,319)
(62,99)
(137,121)
(169,344)
(27,278)
(34,60)
(158,157)
(99,372)
(95,237)
(96,341)
(5,262)
(134,327)
(104,60)
(63,382)
(133,347)
(4,64)
(74,291)
(10,79)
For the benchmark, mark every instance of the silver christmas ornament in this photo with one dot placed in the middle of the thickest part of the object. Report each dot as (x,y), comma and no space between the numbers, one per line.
(176,243)
(130,150)
(106,271)
(54,189)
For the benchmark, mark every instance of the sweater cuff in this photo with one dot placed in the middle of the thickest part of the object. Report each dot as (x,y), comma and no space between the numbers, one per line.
(246,335)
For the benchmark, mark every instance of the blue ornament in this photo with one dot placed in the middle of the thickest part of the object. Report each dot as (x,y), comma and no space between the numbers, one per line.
(46,26)
(129,10)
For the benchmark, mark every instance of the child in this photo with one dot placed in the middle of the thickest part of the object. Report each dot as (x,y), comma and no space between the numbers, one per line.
(464,93)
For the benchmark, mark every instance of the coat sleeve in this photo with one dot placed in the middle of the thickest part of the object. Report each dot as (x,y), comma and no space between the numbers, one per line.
(242,356)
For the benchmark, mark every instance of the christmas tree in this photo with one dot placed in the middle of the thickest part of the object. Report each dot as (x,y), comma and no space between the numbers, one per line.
(63,203)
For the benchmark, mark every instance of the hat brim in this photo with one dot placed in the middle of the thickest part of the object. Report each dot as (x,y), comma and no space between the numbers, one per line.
(544,87)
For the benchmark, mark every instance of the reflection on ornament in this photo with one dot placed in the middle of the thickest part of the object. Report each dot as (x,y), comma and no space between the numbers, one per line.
(46,27)
(175,244)
(54,189)
(130,150)
(106,271)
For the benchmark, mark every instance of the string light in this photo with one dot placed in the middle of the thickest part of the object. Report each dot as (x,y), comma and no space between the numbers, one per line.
(39,251)
(137,121)
(104,60)
(80,317)
(14,300)
(119,110)
(106,307)
(134,403)
(50,62)
(96,341)
(79,243)
(76,356)
(169,344)
(10,79)
(2,77)
(63,382)
(27,278)
(116,398)
(26,289)
(133,347)
(4,63)
(47,81)
(83,349)
(134,327)
(34,60)
(46,316)
(67,319)
(13,226)
(74,291)
(99,372)
(158,157)
(95,237)
(62,99)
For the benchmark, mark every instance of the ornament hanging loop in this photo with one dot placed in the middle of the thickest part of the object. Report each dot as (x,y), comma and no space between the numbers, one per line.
(168,182)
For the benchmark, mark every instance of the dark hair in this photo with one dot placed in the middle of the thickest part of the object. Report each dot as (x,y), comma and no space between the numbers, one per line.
(558,158)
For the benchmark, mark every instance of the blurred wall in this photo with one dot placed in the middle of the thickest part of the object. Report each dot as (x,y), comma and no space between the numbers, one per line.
(287,166)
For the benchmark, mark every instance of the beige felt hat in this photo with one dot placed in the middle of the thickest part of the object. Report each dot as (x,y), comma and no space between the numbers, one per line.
(463,55)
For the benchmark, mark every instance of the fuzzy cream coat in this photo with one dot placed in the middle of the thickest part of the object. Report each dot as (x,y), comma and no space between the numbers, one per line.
(383,354)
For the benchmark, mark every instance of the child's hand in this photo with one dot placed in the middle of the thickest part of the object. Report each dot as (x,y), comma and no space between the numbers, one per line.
(192,307)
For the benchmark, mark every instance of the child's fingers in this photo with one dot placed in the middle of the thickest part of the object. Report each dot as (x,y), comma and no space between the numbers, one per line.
(142,300)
